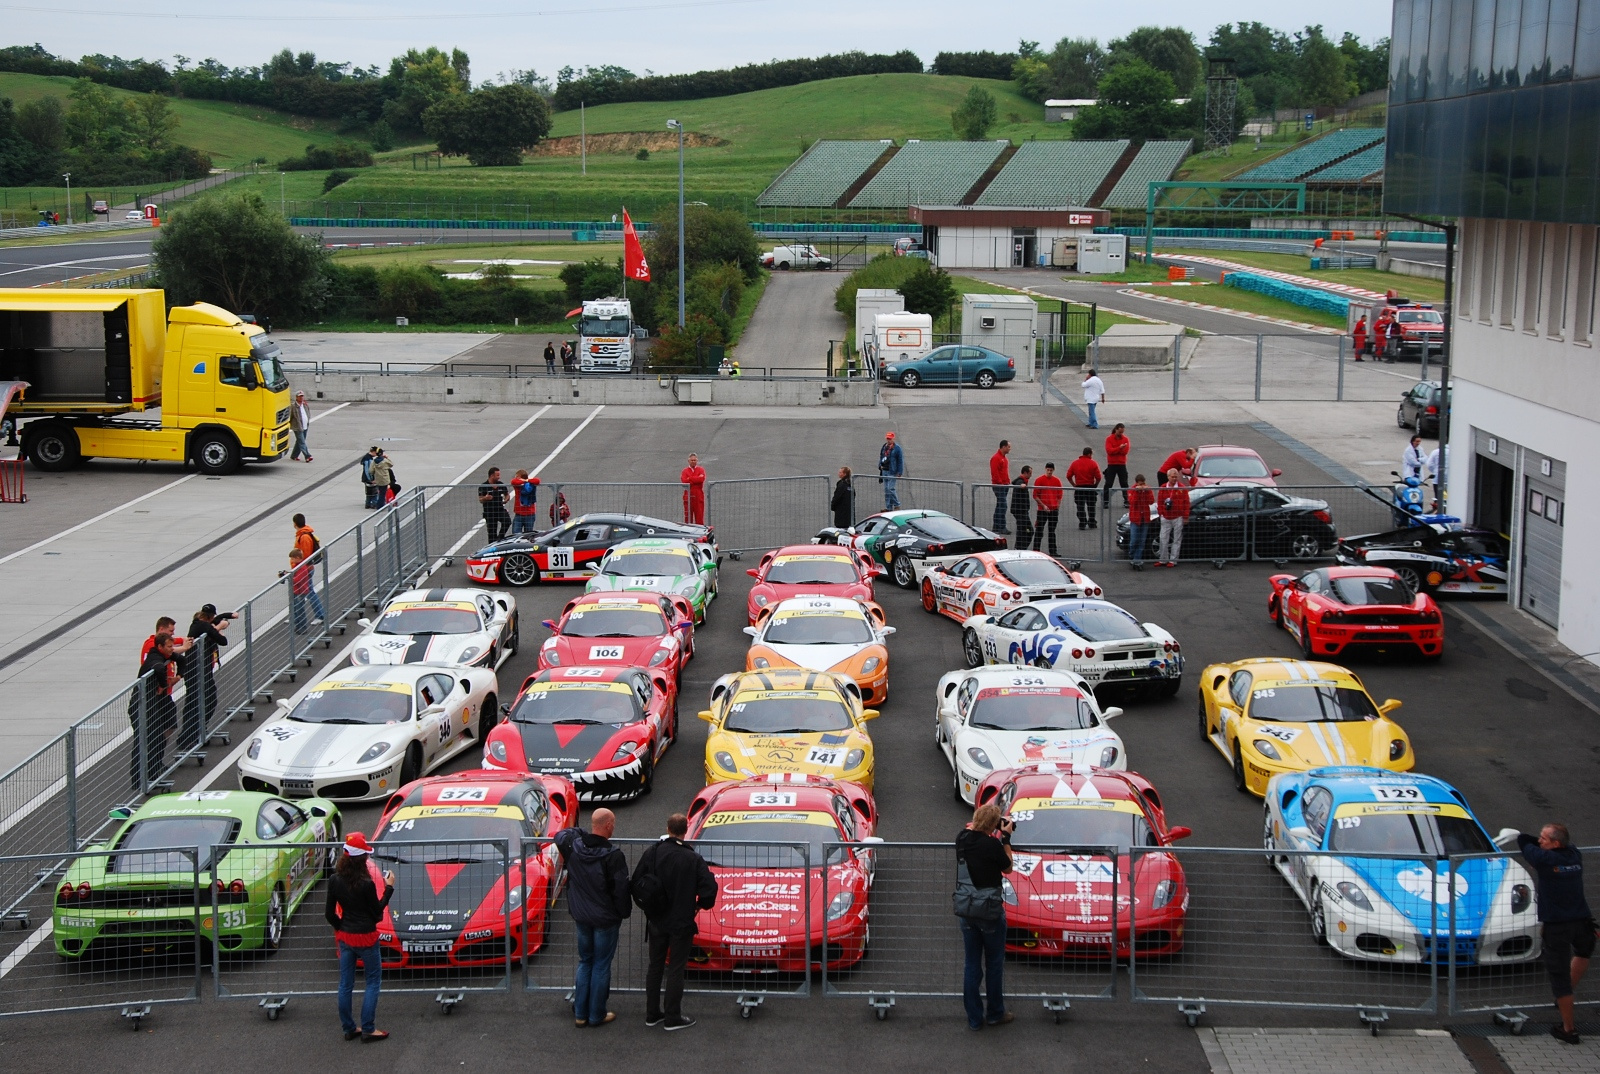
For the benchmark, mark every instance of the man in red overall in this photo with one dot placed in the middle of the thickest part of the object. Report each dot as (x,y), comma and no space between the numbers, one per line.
(693,478)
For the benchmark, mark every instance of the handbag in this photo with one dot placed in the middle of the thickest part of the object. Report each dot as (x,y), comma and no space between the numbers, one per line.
(984,905)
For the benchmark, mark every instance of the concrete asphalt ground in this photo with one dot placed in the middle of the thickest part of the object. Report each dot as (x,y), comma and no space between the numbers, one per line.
(1469,717)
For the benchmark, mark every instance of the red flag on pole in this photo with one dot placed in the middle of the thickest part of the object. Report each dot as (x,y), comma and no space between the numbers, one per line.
(634,266)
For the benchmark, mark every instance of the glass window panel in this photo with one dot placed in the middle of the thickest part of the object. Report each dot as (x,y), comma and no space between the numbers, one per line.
(1551,163)
(1586,58)
(1531,55)
(1439,49)
(1400,65)
(1561,38)
(1475,157)
(1456,71)
(1507,28)
(1498,128)
(1521,173)
(1482,61)
(1450,119)
(1420,16)
(1583,153)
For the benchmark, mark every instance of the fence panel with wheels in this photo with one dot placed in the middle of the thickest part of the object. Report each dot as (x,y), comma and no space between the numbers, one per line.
(757,514)
(103,930)
(1245,937)
(453,925)
(1307,521)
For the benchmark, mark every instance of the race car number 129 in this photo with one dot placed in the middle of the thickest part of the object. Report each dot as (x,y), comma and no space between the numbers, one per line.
(561,558)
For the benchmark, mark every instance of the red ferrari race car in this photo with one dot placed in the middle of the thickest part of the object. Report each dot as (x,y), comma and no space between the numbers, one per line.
(640,630)
(808,570)
(1061,903)
(1331,609)
(604,728)
(456,892)
(772,909)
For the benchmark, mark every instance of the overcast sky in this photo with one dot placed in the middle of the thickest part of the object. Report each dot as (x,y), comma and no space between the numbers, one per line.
(666,37)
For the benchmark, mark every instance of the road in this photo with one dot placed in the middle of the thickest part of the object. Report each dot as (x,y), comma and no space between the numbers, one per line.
(793,324)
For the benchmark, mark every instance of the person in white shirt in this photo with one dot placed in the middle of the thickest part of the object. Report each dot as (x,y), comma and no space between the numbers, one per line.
(1437,460)
(1414,460)
(1094,393)
(299,423)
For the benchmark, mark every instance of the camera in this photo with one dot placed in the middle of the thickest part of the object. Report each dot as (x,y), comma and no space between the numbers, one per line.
(222,616)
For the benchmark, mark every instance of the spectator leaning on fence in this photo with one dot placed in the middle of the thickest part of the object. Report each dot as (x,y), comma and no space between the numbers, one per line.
(199,669)
(354,910)
(1181,460)
(1000,483)
(493,495)
(1567,925)
(983,855)
(1141,502)
(598,899)
(158,673)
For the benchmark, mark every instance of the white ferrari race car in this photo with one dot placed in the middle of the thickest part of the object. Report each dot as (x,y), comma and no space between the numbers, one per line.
(1094,638)
(471,627)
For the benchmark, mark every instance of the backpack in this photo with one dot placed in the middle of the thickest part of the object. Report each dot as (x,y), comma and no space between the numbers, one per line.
(650,895)
(316,545)
(366,469)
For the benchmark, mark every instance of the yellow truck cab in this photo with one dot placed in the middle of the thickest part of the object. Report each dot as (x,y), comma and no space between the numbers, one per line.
(113,374)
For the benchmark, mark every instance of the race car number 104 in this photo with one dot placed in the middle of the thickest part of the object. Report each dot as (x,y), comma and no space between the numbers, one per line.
(561,558)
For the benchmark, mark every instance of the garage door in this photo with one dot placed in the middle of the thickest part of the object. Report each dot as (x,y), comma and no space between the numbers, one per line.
(1544,505)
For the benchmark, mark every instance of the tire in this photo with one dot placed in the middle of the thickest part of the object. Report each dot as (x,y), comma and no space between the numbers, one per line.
(411,768)
(488,717)
(1400,418)
(910,379)
(1304,546)
(515,642)
(1240,784)
(1305,639)
(1319,916)
(1266,837)
(905,572)
(1041,662)
(272,930)
(215,454)
(1274,610)
(331,855)
(930,603)
(647,777)
(1205,724)
(971,648)
(784,265)
(519,569)
(54,447)
(1411,577)
(984,379)
(955,785)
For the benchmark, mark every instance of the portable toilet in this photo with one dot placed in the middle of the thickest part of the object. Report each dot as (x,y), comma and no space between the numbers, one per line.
(1008,324)
(871,301)
(902,337)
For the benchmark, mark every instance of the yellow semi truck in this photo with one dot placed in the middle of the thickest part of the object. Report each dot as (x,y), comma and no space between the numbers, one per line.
(113,374)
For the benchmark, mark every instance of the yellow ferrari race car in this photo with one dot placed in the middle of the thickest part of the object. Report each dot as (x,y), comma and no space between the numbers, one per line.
(787,720)
(1269,715)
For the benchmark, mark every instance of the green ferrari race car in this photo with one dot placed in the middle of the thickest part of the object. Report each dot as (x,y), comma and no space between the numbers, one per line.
(661,565)
(143,890)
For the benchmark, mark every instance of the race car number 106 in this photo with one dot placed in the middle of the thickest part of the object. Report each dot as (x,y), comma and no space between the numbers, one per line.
(561,558)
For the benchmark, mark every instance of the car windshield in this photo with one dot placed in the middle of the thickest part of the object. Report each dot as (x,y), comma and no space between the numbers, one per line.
(156,833)
(1311,704)
(604,326)
(1372,591)
(354,706)
(429,621)
(1407,833)
(719,842)
(942,528)
(450,831)
(1420,316)
(634,621)
(1041,829)
(1033,571)
(811,570)
(270,359)
(782,714)
(649,564)
(575,703)
(1059,709)
(1098,623)
(1232,466)
(830,629)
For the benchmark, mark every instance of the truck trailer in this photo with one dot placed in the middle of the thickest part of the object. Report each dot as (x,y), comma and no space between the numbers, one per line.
(113,374)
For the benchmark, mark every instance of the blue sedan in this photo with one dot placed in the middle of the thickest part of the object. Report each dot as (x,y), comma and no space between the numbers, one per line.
(946,365)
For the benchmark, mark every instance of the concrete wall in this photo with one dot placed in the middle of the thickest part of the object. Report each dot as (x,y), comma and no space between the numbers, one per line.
(1427,270)
(617,391)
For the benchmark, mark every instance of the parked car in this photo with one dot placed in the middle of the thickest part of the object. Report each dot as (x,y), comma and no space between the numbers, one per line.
(1420,406)
(1225,464)
(101,209)
(946,365)
(799,255)
(1235,521)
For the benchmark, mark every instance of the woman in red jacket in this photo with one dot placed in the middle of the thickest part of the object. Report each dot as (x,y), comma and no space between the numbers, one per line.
(1141,501)
(1117,448)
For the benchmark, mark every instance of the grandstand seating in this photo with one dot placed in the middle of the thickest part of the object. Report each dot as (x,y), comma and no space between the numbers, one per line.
(823,174)
(1313,155)
(1053,173)
(1368,162)
(1155,164)
(928,173)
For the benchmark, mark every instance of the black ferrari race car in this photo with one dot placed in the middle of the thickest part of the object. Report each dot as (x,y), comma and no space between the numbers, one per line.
(907,541)
(1440,557)
(571,550)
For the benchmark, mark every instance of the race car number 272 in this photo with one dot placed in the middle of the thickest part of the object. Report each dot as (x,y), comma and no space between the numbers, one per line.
(561,558)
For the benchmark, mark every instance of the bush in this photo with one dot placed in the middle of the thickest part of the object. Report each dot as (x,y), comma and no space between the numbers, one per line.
(676,347)
(883,271)
(422,294)
(973,117)
(928,290)
(319,158)
(591,279)
(756,76)
(995,65)
(381,135)
(335,178)
(643,154)
(239,254)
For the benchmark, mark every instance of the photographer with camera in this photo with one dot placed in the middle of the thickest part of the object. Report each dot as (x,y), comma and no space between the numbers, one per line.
(199,668)
(983,855)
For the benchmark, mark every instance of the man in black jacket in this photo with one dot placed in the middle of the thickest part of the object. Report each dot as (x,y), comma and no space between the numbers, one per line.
(597,898)
(686,886)
(1567,924)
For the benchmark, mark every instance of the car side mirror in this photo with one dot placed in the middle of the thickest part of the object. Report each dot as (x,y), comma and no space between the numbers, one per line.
(988,619)
(318,811)
(705,714)
(1180,832)
(1301,833)
(283,704)
(753,631)
(1506,838)
(872,839)
(886,630)
(433,710)
(550,623)
(364,624)
(869,714)
(120,813)
(1111,713)
(1277,473)
(851,530)
(753,572)
(1389,706)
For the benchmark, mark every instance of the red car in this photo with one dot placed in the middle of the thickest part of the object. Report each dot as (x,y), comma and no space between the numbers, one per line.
(604,728)
(807,570)
(1331,609)
(455,900)
(1060,903)
(1223,464)
(641,630)
(761,922)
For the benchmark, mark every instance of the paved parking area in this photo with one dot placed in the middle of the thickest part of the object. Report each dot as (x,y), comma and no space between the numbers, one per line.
(1332,1051)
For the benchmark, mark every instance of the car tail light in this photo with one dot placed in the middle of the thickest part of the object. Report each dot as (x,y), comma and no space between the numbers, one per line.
(84,889)
(1322,516)
(1432,617)
(1334,617)
(66,892)
(1011,363)
(237,887)
(1433,410)
(935,549)
(1088,652)
(1097,591)
(1077,654)
(1167,645)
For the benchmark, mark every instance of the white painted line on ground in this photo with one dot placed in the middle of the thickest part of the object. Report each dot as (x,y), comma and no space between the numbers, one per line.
(26,948)
(512,435)
(79,261)
(330,410)
(97,518)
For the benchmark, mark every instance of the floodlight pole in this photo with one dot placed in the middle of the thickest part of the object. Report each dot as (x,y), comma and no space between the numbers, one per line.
(583,137)
(68,177)
(673,124)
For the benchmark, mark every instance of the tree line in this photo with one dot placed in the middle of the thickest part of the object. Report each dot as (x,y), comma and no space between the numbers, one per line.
(98,136)
(610,84)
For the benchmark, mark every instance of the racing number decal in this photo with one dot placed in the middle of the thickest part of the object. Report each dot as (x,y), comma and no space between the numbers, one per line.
(233,919)
(773,798)
(826,756)
(561,558)
(1396,794)
(464,794)
(605,652)
(444,728)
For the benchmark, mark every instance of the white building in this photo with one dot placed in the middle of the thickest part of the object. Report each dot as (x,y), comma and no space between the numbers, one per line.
(995,236)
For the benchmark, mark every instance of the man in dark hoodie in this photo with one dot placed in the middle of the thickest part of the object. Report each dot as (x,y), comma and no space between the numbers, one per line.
(597,898)
(1566,923)
(674,884)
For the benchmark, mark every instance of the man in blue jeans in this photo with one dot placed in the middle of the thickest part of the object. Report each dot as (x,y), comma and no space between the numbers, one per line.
(891,465)
(598,899)
(984,847)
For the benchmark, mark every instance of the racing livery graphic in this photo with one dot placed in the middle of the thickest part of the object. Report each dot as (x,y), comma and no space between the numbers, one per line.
(909,542)
(1113,651)
(845,637)
(785,720)
(571,551)
(1435,557)
(995,582)
(627,629)
(808,570)
(448,626)
(681,568)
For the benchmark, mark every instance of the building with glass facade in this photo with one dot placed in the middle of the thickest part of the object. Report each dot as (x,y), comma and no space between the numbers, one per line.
(1494,119)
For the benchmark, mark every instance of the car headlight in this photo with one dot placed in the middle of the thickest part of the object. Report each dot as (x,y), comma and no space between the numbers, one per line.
(724,761)
(361,656)
(514,898)
(688,589)
(1354,895)
(1397,749)
(761,662)
(625,751)
(255,749)
(497,751)
(979,758)
(1108,757)
(761,601)
(1007,892)
(1266,749)
(871,665)
(1164,892)
(374,751)
(840,905)
(1521,898)
(468,653)
(853,759)
(551,656)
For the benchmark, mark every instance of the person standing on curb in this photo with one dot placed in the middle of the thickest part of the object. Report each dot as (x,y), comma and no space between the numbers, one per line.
(299,422)
(382,479)
(844,500)
(671,884)
(983,856)
(1141,498)
(891,466)
(158,672)
(1117,447)
(1000,483)
(597,898)
(494,496)
(1094,393)
(693,479)
(1021,506)
(1084,476)
(1414,460)
(1172,504)
(1566,923)
(354,910)
(1047,494)
(524,503)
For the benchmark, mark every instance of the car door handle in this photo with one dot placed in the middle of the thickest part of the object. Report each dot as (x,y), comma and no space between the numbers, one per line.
(222,410)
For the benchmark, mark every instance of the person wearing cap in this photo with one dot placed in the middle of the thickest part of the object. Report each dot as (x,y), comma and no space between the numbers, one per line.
(199,667)
(354,910)
(891,466)
(299,422)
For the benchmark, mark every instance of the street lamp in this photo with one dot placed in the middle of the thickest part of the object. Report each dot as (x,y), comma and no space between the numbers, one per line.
(68,177)
(673,124)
